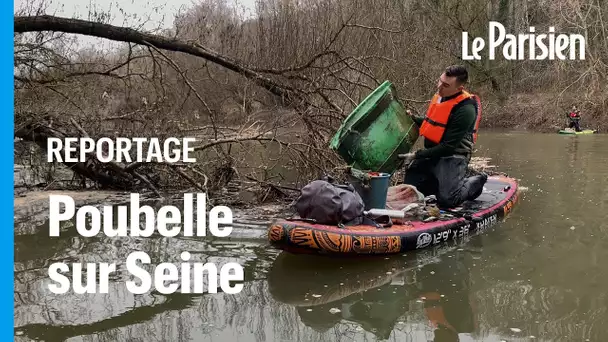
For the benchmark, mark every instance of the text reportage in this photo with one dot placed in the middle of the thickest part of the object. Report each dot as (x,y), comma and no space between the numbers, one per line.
(75,150)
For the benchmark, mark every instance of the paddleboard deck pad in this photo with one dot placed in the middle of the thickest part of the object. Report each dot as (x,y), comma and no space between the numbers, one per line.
(585,131)
(473,217)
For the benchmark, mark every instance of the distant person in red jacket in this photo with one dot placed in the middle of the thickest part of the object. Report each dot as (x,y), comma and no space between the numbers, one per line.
(575,118)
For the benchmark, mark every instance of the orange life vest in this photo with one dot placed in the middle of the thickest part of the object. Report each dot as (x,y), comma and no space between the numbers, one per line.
(437,116)
(435,313)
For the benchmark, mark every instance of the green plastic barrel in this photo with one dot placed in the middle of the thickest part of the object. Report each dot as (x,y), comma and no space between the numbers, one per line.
(376,132)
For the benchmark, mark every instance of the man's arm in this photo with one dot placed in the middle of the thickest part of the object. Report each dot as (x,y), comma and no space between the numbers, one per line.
(417,120)
(460,122)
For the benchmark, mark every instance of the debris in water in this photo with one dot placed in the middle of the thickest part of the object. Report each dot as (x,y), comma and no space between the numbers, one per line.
(334,310)
(515,330)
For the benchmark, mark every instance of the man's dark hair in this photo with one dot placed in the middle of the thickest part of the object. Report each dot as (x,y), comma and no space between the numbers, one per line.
(458,71)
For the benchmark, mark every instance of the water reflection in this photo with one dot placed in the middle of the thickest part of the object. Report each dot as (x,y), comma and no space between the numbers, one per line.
(42,315)
(540,273)
(429,290)
(572,152)
(380,297)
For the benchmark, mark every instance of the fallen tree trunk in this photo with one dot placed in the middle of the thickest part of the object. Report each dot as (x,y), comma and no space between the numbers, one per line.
(113,175)
(124,34)
(126,177)
(108,175)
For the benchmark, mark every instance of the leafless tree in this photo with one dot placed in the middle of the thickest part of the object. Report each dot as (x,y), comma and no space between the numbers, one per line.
(285,79)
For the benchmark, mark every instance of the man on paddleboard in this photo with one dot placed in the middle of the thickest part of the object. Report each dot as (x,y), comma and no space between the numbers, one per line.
(449,129)
(575,118)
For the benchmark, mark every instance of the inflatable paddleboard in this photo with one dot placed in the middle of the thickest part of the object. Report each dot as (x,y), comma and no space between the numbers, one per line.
(473,217)
(585,131)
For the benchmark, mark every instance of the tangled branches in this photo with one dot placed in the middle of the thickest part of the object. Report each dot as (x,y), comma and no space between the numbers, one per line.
(302,91)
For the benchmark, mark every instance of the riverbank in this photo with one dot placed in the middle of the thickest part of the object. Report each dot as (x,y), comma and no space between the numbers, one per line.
(33,203)
(539,113)
(545,126)
(31,209)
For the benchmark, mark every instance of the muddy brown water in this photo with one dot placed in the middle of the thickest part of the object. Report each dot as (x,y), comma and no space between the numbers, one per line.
(538,276)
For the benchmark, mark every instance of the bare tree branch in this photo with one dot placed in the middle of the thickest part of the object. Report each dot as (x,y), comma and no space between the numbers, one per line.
(52,23)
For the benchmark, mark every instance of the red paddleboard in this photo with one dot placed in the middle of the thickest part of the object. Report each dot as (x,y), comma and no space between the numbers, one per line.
(473,217)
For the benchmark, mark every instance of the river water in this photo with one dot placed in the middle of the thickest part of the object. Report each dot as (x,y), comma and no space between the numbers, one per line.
(540,275)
